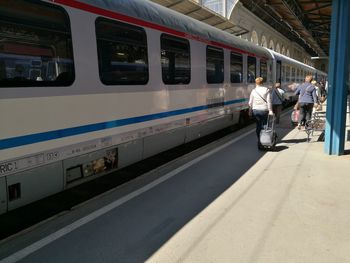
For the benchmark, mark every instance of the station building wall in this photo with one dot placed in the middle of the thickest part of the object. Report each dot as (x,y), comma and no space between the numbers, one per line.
(264,35)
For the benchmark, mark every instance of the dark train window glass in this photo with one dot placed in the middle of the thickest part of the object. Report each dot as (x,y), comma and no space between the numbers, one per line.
(263,69)
(287,73)
(251,69)
(283,75)
(122,53)
(293,75)
(14,191)
(215,65)
(35,45)
(236,69)
(269,70)
(278,71)
(175,60)
(298,75)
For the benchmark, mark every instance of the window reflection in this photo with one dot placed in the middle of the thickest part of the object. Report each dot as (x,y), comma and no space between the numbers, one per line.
(35,47)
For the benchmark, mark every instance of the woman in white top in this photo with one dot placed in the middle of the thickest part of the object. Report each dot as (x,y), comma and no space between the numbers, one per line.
(260,103)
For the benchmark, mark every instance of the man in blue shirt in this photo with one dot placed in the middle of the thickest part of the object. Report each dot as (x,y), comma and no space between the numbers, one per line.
(307,100)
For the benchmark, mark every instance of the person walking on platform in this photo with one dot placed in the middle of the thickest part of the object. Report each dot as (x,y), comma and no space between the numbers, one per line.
(318,92)
(318,95)
(307,100)
(277,101)
(260,104)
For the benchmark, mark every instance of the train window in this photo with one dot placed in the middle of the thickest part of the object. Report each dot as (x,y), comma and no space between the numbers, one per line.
(278,71)
(251,69)
(287,73)
(298,75)
(270,70)
(215,65)
(283,76)
(236,69)
(293,75)
(36,45)
(175,60)
(263,69)
(122,53)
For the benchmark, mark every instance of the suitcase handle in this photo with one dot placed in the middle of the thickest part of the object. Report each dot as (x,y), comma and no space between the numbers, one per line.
(270,118)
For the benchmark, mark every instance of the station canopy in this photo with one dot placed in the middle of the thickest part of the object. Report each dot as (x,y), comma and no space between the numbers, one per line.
(199,12)
(306,22)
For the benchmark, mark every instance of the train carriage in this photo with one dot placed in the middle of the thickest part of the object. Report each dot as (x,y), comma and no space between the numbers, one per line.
(88,87)
(289,73)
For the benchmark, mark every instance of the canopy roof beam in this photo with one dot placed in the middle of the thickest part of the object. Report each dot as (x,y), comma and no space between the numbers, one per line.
(317,8)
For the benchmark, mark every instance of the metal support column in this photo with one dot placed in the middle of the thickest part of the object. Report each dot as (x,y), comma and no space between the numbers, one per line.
(338,75)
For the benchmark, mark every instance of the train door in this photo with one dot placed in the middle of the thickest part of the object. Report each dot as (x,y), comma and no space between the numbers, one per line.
(278,71)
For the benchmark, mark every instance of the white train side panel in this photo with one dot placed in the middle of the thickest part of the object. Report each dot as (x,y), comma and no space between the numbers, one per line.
(62,136)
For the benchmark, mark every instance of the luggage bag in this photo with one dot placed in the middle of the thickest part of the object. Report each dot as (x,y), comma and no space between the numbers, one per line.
(268,135)
(294,117)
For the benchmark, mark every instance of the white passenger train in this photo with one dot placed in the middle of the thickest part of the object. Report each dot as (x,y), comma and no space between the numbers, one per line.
(88,87)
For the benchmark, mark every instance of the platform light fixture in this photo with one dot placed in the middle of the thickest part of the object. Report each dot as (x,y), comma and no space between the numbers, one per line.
(314,58)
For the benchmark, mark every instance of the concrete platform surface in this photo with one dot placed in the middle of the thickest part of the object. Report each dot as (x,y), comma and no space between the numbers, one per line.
(291,206)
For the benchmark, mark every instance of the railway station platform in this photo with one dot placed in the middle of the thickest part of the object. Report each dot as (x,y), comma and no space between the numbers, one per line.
(225,202)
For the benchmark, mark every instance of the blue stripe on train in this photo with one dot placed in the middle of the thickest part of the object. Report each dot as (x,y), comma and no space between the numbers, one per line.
(51,135)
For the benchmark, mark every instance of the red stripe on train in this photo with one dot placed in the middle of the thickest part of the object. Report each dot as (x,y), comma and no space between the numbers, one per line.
(136,21)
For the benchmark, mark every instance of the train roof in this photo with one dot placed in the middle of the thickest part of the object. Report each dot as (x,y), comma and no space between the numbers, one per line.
(321,72)
(157,14)
(284,58)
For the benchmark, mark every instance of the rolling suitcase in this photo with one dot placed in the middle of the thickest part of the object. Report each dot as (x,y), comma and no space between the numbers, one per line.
(268,135)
